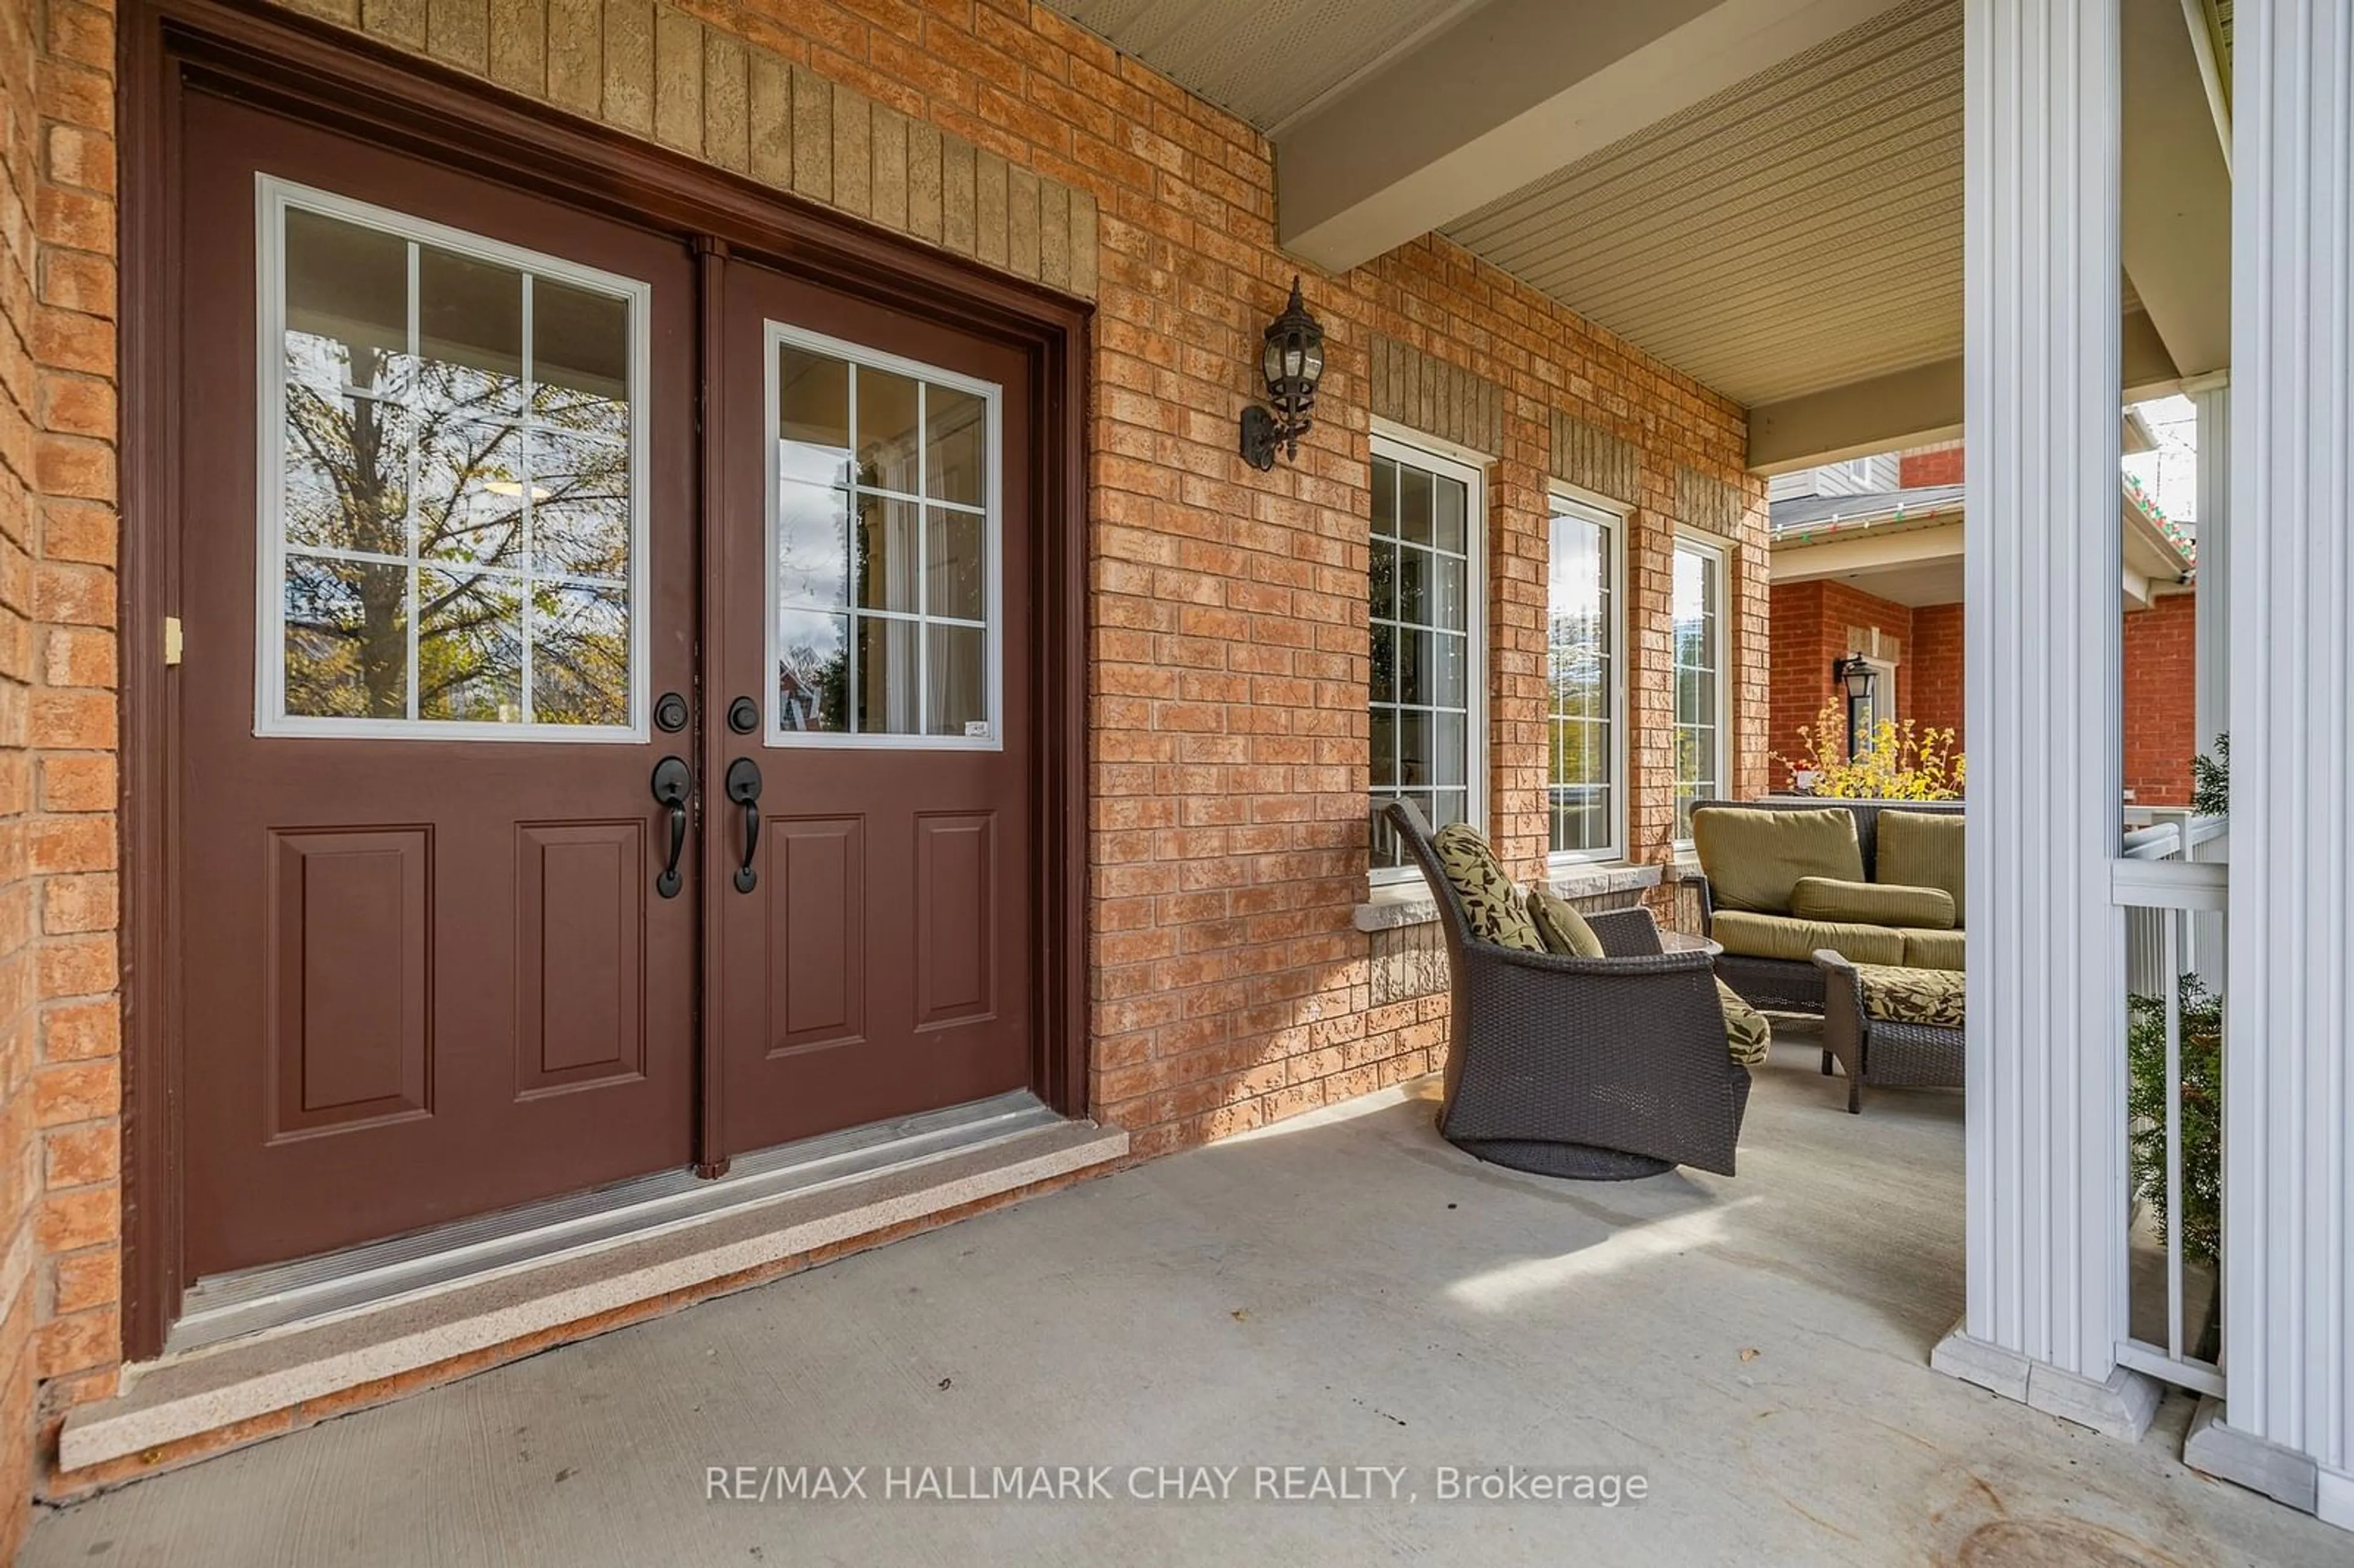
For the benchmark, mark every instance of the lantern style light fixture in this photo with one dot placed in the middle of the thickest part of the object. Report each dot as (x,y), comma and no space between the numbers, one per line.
(1856,675)
(1293,363)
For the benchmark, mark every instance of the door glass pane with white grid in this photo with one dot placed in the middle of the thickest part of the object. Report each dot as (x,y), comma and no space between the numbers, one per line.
(883,550)
(453,501)
(1423,623)
(1698,592)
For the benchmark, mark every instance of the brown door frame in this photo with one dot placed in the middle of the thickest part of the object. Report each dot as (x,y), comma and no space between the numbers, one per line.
(333,78)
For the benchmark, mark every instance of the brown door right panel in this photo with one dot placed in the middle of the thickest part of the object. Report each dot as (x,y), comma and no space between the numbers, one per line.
(879,963)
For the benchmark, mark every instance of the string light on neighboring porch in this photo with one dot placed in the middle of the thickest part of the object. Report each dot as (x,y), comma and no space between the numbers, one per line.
(1293,363)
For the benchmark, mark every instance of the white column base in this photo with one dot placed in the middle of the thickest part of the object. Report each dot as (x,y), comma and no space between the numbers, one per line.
(2121,1407)
(2334,1497)
(2217,1449)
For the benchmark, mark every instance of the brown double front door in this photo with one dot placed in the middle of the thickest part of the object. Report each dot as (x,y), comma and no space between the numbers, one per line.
(602,742)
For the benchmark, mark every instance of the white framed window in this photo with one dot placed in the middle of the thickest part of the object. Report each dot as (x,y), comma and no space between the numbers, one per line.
(1586,688)
(1426,708)
(1698,602)
(884,551)
(451,482)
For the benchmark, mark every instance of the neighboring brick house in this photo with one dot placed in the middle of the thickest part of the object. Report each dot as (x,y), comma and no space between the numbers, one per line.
(1225,960)
(1869,562)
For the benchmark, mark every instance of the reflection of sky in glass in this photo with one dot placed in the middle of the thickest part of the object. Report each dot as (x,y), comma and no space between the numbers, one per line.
(812,463)
(813,566)
(1691,586)
(1577,567)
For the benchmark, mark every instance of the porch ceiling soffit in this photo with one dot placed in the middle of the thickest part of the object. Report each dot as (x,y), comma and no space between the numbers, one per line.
(656,72)
(2176,232)
(1425,393)
(1917,406)
(1496,96)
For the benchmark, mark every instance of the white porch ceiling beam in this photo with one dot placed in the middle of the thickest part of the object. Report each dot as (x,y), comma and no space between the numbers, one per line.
(1913,408)
(2177,232)
(1511,92)
(1869,551)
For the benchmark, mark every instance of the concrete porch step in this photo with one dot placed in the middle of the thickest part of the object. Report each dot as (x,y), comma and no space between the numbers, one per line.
(244,1389)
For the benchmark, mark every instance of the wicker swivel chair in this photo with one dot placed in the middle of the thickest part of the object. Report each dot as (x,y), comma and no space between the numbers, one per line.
(1602,1069)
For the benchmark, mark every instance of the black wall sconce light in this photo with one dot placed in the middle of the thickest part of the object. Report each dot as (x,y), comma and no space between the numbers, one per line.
(1856,675)
(1293,363)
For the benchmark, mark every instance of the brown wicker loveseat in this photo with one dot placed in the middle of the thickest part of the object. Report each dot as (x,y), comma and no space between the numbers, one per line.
(1600,1068)
(1794,983)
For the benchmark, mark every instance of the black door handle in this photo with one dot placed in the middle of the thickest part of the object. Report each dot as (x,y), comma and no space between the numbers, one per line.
(744,788)
(672,781)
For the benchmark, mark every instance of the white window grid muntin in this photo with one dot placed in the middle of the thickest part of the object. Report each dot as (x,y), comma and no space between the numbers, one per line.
(1435,457)
(992,623)
(273,199)
(1714,562)
(1613,524)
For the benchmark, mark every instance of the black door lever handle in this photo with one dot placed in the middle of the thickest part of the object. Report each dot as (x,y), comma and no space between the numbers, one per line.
(744,788)
(671,782)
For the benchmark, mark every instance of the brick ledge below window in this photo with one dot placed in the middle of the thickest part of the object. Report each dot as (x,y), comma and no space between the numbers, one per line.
(1412,905)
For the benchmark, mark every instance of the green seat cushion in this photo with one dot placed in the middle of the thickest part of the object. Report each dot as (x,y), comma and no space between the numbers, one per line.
(1787,936)
(1871,903)
(1753,857)
(1906,994)
(1489,898)
(1933,949)
(1922,849)
(1747,1033)
(1561,927)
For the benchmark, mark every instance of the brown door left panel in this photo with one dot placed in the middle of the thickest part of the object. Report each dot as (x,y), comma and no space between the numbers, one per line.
(427,978)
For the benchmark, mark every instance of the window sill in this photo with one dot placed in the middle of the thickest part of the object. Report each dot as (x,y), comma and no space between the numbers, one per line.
(1400,905)
(1595,879)
(1394,904)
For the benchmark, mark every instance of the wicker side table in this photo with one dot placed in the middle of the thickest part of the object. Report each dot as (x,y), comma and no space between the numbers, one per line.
(1882,1051)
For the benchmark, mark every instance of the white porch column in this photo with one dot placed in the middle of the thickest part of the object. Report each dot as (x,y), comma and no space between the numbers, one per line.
(2043,683)
(2288,1183)
(2211,395)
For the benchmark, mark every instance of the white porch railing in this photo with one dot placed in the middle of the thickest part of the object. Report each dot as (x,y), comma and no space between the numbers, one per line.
(2170,901)
(2173,834)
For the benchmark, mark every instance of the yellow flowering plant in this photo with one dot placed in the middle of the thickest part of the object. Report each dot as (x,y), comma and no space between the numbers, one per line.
(1902,762)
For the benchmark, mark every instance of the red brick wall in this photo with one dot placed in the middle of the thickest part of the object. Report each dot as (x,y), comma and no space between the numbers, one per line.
(2161,725)
(1933,699)
(1931,465)
(1813,627)
(20,1176)
(1809,630)
(59,1080)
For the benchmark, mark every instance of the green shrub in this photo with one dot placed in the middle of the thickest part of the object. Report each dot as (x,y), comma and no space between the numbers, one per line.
(2202,1114)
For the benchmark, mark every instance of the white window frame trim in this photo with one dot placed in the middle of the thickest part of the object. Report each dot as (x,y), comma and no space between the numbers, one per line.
(1399,444)
(1884,691)
(1719,555)
(272,197)
(1611,516)
(774,735)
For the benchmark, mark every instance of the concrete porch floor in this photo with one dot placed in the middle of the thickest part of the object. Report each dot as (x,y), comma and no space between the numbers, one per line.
(1341,1290)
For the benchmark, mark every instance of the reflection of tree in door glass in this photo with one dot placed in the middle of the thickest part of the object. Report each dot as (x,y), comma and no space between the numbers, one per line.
(879,550)
(475,495)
